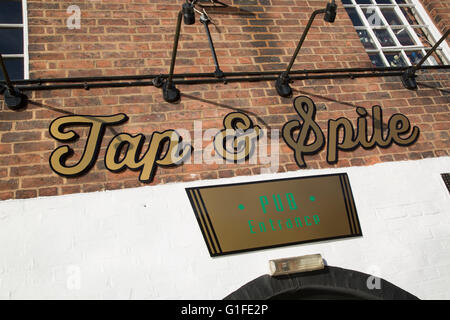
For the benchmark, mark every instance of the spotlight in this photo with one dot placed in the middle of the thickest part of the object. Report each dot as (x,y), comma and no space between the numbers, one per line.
(14,99)
(409,79)
(409,76)
(188,13)
(170,93)
(330,12)
(282,83)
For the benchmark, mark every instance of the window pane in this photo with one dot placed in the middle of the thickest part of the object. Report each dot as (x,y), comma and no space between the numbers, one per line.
(372,17)
(376,59)
(11,11)
(404,37)
(384,37)
(434,59)
(395,59)
(441,58)
(414,56)
(424,36)
(14,67)
(11,40)
(391,17)
(398,26)
(366,39)
(409,14)
(354,16)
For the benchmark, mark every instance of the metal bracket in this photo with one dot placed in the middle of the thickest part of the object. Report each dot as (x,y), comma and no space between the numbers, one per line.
(409,79)
(170,93)
(206,20)
(282,83)
(409,76)
(158,81)
(14,98)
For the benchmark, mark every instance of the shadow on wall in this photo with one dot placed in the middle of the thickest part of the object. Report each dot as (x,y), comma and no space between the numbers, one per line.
(38,104)
(220,7)
(438,88)
(221,105)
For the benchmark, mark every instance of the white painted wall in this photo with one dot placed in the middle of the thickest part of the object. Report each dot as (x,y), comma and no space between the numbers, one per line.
(145,243)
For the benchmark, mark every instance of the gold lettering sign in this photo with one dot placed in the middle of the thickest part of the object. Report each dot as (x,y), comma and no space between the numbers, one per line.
(398,125)
(131,146)
(236,142)
(306,109)
(256,215)
(97,125)
(152,157)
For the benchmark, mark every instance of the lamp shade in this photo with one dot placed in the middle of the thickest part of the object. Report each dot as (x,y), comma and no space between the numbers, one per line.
(188,14)
(330,12)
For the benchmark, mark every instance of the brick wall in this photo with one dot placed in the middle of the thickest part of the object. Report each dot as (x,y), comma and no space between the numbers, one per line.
(130,37)
(439,11)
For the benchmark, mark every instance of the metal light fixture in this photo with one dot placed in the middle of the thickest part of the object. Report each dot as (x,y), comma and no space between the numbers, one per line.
(188,13)
(170,93)
(330,12)
(282,83)
(409,76)
(287,266)
(14,99)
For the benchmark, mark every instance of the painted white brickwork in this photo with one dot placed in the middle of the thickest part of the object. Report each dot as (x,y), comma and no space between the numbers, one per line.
(145,243)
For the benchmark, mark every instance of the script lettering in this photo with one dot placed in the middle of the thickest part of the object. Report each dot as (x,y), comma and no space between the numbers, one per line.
(97,125)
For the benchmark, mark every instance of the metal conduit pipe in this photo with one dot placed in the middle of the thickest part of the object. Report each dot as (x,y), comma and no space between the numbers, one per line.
(201,81)
(212,75)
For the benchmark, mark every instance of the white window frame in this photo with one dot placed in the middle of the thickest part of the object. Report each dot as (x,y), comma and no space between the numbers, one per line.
(24,25)
(425,22)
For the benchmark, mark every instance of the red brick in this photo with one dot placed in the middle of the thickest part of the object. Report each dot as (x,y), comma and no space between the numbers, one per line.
(24,194)
(21,136)
(11,184)
(40,182)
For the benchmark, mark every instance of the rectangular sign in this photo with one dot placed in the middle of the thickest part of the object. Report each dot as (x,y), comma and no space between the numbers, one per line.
(265,214)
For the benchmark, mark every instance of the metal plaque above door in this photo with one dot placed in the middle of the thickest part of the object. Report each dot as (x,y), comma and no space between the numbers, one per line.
(265,214)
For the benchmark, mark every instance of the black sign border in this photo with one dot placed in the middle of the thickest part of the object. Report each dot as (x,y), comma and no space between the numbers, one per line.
(209,235)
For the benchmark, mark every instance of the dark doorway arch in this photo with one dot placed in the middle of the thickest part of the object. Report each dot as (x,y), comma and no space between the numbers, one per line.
(330,283)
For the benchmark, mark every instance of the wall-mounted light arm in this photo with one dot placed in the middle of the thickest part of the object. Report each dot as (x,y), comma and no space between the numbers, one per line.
(282,83)
(14,99)
(170,92)
(409,76)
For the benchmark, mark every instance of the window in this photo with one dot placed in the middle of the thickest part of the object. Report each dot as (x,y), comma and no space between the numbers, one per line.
(14,38)
(396,33)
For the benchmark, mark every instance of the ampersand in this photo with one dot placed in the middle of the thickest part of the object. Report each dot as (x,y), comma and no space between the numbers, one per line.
(306,109)
(236,141)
